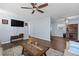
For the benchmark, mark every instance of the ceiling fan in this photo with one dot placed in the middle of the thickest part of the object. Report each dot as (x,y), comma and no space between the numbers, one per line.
(36,7)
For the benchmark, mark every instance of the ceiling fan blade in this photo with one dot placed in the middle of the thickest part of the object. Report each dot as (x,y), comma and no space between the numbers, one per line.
(43,5)
(26,7)
(40,11)
(33,11)
(33,5)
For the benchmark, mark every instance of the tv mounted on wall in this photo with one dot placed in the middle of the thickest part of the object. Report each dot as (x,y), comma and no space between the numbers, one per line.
(17,23)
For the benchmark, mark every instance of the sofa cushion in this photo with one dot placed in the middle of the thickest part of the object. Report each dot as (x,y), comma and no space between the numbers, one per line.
(15,51)
(52,52)
(1,51)
(8,52)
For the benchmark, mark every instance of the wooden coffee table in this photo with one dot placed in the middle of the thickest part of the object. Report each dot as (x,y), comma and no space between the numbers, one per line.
(33,50)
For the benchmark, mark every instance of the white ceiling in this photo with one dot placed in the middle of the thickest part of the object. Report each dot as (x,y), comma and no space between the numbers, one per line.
(16,8)
(56,10)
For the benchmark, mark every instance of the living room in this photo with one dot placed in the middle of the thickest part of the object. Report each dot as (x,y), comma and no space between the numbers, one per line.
(35,25)
(30,32)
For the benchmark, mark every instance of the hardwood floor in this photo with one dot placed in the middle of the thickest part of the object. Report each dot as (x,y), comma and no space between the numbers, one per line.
(58,43)
(41,41)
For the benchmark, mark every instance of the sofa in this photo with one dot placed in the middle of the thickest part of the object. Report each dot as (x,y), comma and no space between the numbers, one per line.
(53,52)
(14,51)
(72,48)
(1,51)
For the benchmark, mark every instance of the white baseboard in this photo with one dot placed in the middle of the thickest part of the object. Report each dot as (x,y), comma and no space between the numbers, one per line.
(5,42)
(47,39)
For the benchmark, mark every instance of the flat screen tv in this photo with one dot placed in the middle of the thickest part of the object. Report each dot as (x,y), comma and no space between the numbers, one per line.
(17,23)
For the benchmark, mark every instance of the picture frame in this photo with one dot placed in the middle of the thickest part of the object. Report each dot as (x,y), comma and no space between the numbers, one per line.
(26,24)
(4,21)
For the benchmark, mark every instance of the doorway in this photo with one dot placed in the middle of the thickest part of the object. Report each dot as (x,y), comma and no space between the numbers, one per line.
(72,32)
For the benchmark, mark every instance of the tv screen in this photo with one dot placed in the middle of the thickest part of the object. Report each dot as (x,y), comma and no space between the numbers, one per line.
(17,23)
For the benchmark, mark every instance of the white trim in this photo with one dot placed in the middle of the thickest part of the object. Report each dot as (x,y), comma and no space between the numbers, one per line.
(5,42)
(41,38)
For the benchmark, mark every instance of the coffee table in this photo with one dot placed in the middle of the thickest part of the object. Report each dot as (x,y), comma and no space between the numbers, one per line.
(33,50)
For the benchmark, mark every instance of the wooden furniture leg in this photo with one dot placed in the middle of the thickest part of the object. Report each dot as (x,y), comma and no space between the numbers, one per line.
(23,51)
(45,54)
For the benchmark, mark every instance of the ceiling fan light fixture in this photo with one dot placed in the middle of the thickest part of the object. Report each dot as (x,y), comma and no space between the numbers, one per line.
(35,7)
